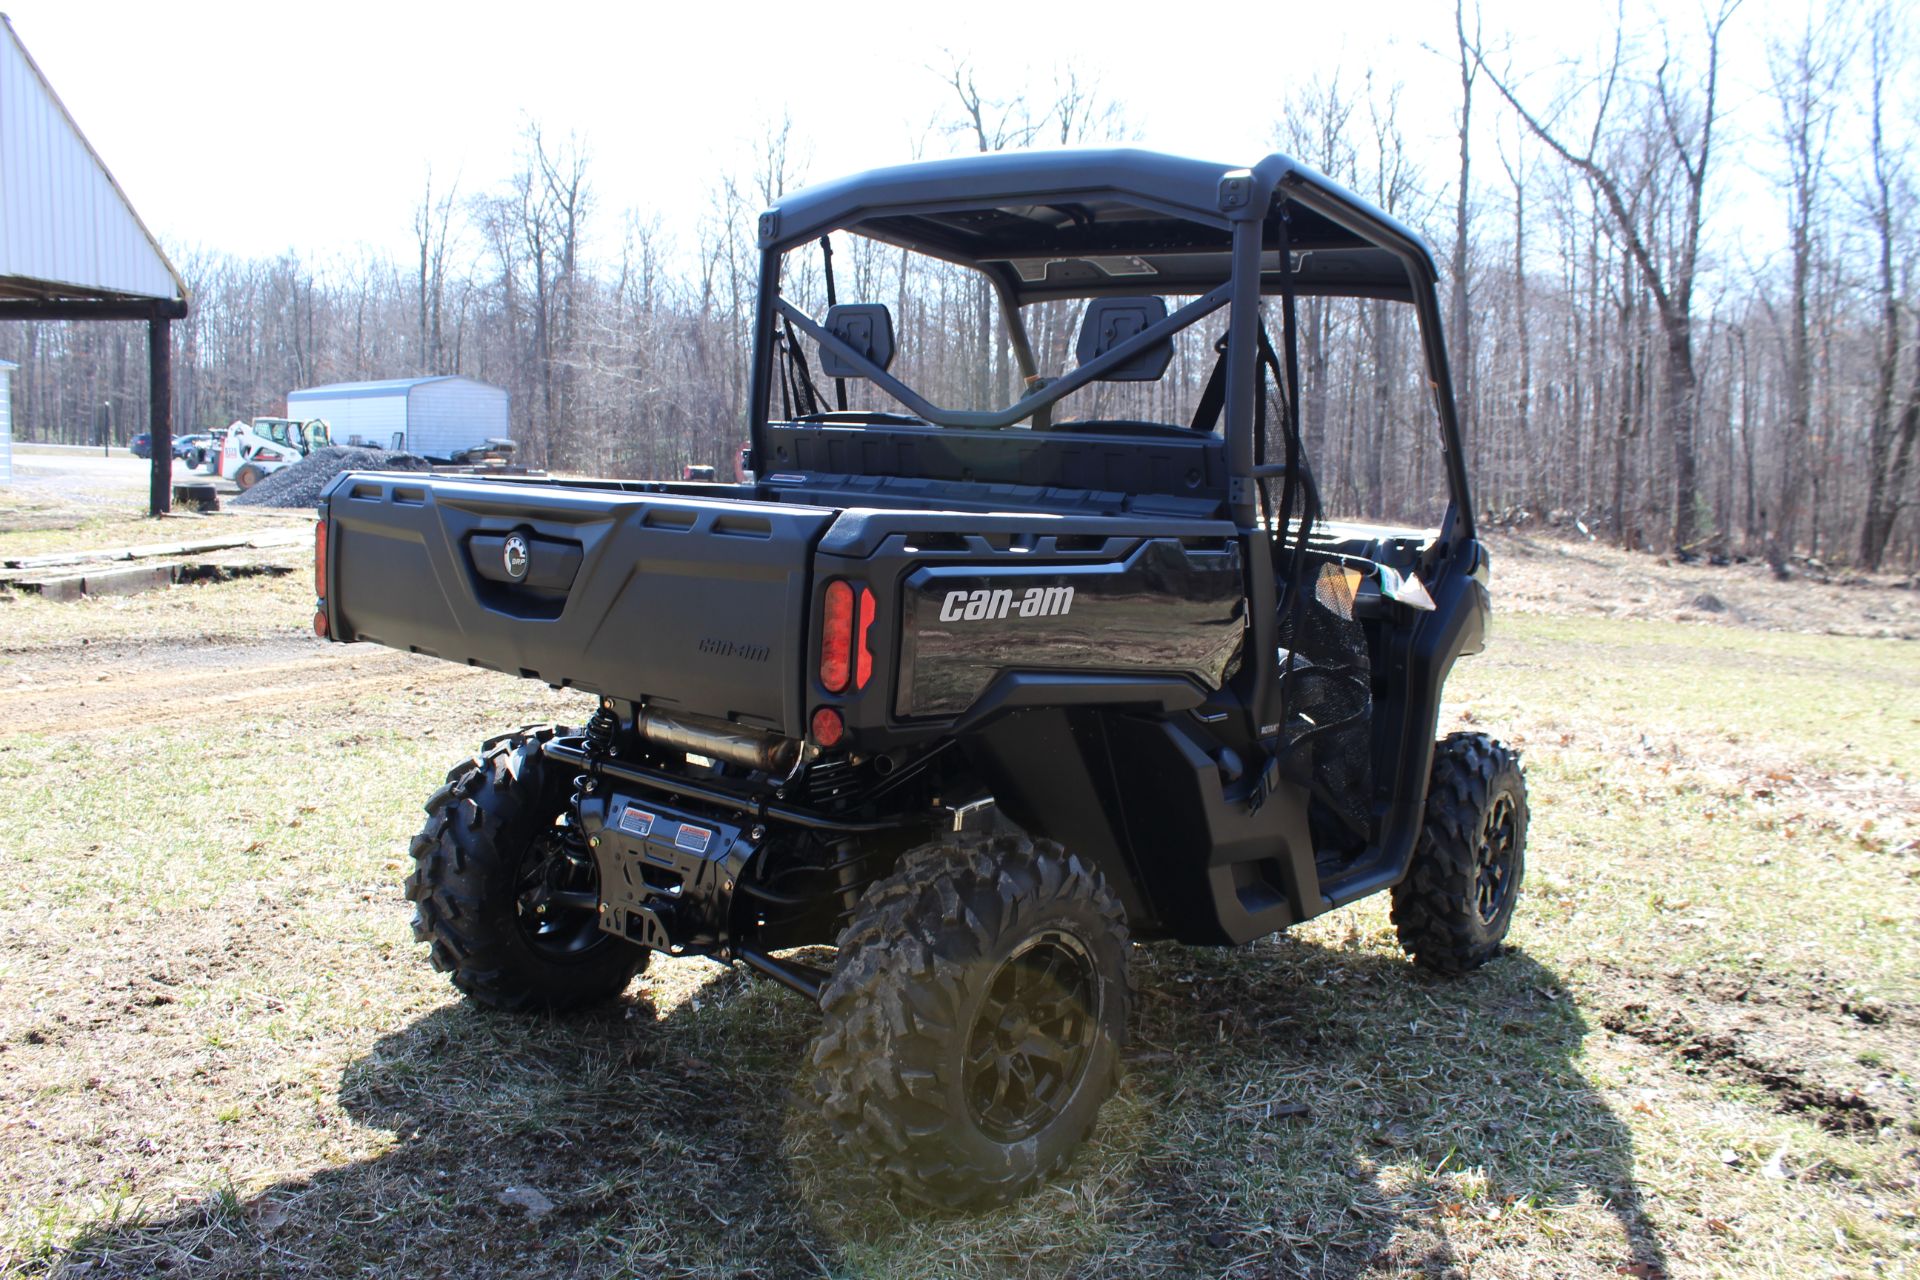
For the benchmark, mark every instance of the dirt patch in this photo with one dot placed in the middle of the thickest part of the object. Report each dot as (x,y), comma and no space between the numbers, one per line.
(1542,573)
(114,686)
(1843,1060)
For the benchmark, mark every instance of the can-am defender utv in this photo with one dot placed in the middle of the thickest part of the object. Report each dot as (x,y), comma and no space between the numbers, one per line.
(976,696)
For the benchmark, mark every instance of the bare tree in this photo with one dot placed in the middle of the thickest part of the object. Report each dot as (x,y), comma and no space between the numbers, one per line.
(1804,77)
(778,161)
(533,228)
(432,229)
(1082,114)
(1463,195)
(1517,172)
(567,199)
(1316,131)
(1891,428)
(994,125)
(1635,183)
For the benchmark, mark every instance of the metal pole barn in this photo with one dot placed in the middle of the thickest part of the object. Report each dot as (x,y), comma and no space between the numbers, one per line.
(71,246)
(159,317)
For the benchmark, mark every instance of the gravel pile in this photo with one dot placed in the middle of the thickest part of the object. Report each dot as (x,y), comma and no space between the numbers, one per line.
(300,484)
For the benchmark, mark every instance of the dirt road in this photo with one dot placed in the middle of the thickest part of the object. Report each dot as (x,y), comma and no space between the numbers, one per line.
(94,687)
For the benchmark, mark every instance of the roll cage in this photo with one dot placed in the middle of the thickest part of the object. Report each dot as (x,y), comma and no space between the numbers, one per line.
(1229,236)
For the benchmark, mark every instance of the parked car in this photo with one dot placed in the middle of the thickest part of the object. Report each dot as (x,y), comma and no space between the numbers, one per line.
(140,446)
(192,449)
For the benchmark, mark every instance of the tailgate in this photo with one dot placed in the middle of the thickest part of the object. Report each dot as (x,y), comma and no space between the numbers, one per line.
(693,603)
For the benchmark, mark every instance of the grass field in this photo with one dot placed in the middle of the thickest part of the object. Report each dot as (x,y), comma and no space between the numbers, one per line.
(222,1055)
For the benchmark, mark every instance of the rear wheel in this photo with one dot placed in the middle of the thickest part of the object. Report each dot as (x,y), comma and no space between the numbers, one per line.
(974,1018)
(1454,908)
(248,476)
(502,885)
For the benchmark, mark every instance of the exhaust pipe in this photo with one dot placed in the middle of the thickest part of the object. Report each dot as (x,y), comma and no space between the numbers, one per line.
(719,740)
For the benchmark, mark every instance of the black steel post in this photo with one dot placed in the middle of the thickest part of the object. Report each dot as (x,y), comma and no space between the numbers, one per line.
(760,388)
(160,429)
(1247,207)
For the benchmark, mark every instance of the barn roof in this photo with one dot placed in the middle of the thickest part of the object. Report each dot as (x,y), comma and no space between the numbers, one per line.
(382,387)
(377,387)
(67,231)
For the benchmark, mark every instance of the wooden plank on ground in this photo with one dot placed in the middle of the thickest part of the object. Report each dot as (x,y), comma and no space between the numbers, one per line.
(127,580)
(258,540)
(60,589)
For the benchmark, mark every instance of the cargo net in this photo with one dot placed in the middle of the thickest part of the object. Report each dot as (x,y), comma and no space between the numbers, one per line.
(1326,692)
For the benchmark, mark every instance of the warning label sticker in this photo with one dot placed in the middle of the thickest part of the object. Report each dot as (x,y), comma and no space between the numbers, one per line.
(636,821)
(693,839)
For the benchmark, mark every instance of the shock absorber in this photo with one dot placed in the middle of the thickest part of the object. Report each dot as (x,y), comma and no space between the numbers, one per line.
(601,730)
(598,738)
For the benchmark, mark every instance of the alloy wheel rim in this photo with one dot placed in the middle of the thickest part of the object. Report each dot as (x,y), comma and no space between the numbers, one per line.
(1033,1038)
(1495,856)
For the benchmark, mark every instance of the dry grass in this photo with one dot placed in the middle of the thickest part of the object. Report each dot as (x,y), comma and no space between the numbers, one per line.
(42,520)
(221,1055)
(1569,578)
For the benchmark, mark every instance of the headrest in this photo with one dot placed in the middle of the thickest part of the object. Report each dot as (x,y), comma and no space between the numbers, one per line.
(1110,322)
(867,327)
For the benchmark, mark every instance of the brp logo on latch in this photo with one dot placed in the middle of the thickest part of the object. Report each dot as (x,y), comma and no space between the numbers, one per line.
(516,555)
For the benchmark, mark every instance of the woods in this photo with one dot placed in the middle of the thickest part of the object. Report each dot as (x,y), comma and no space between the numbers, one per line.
(1640,352)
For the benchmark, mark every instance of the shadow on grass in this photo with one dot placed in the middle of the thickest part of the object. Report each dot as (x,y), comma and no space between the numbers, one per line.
(676,1145)
(1340,1112)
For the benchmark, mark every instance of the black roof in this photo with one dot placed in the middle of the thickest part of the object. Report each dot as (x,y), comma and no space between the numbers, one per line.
(1079,223)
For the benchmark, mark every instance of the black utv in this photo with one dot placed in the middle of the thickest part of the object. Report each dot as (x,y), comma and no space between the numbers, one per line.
(1028,636)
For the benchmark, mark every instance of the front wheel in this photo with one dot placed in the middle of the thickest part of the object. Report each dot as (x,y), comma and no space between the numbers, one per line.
(501,881)
(1454,908)
(974,1018)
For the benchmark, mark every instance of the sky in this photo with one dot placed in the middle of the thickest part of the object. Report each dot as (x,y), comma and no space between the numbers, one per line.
(263,128)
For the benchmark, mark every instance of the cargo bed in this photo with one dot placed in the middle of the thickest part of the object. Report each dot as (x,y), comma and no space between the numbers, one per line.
(695,602)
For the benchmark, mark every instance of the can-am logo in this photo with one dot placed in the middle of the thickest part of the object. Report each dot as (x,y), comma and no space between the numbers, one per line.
(988,603)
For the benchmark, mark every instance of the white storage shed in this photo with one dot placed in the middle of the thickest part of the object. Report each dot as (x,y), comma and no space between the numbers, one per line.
(433,417)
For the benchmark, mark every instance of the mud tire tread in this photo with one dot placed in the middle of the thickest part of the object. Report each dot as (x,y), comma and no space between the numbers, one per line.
(1434,910)
(922,942)
(464,861)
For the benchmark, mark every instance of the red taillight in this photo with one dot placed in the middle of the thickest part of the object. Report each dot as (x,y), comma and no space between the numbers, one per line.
(828,727)
(320,557)
(836,636)
(863,655)
(320,623)
(846,652)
